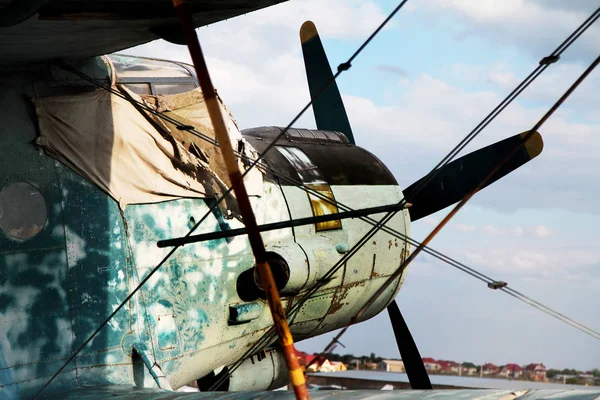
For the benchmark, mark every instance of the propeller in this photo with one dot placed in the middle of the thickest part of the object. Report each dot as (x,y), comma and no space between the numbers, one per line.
(330,114)
(450,185)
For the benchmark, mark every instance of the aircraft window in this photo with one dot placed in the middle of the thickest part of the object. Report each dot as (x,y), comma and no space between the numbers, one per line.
(139,88)
(306,169)
(320,135)
(311,176)
(333,136)
(23,210)
(174,88)
(294,133)
(140,67)
(307,134)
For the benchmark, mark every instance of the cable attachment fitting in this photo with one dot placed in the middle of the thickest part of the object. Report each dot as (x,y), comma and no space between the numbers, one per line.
(497,285)
(549,60)
(344,67)
(185,127)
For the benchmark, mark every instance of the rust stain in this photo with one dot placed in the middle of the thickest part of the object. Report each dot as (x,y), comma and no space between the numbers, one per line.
(389,245)
(338,301)
(374,243)
(404,255)
(373,273)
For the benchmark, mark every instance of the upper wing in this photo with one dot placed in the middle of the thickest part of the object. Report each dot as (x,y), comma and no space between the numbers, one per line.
(38,30)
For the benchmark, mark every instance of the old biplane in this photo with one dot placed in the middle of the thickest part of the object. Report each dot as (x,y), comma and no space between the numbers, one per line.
(103,157)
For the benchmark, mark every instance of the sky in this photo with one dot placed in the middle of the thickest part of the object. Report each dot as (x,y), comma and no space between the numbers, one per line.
(425,82)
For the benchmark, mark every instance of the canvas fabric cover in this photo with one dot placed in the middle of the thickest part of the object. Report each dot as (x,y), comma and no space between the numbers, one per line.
(190,109)
(105,139)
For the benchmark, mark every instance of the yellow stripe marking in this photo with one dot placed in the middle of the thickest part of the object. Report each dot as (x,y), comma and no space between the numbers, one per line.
(534,144)
(297,377)
(307,31)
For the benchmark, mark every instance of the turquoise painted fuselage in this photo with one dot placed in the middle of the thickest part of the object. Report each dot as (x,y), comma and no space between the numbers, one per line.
(58,286)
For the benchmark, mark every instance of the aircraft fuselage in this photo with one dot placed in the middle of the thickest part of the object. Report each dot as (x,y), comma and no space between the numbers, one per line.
(71,253)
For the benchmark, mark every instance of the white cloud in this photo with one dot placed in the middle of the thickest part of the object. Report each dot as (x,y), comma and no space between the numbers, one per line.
(541,231)
(430,221)
(525,259)
(465,228)
(514,262)
(536,26)
(492,230)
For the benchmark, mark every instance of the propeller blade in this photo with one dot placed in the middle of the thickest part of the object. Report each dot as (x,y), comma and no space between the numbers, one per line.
(459,177)
(413,363)
(328,108)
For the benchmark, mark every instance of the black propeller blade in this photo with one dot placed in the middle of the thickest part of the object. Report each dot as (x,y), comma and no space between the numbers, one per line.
(415,369)
(459,177)
(328,108)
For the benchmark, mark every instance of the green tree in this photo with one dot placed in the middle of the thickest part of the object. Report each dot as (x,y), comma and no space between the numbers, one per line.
(551,373)
(575,381)
(347,358)
(467,364)
(568,371)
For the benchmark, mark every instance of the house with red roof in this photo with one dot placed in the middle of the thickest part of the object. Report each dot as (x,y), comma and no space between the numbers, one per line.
(535,372)
(511,371)
(448,366)
(431,365)
(490,369)
(304,358)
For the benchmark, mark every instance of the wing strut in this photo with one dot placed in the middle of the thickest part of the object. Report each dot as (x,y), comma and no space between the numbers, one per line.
(237,183)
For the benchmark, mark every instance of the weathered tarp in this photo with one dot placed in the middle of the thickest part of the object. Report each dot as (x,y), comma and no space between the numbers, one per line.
(108,141)
(190,109)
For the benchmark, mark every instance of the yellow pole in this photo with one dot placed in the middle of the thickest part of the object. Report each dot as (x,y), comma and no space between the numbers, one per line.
(237,183)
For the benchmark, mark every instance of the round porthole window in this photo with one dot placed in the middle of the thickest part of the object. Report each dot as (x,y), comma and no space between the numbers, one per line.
(23,210)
